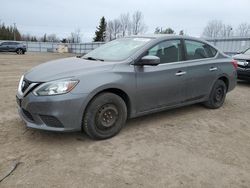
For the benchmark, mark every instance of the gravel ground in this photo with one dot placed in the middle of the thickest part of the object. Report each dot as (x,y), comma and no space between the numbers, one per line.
(186,147)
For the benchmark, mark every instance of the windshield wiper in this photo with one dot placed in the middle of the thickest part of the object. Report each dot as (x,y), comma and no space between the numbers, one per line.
(93,59)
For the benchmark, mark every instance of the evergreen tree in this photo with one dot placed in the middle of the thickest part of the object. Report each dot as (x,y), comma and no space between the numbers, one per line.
(100,33)
(8,32)
(181,32)
(166,31)
(44,38)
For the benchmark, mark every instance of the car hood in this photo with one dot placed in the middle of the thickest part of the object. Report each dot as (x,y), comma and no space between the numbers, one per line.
(65,68)
(242,57)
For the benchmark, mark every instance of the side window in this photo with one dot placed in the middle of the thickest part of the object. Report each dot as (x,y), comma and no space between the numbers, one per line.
(168,51)
(198,50)
(4,43)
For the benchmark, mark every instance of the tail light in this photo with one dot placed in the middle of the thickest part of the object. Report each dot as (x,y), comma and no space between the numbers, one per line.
(235,64)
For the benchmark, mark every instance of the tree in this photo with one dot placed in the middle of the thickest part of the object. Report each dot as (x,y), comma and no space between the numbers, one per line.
(166,31)
(181,32)
(64,40)
(243,30)
(213,29)
(125,24)
(117,28)
(110,31)
(9,32)
(44,38)
(113,29)
(226,31)
(138,25)
(75,37)
(52,38)
(100,33)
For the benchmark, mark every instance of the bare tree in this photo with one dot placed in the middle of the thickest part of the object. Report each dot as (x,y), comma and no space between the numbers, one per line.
(113,29)
(117,28)
(213,29)
(226,31)
(75,37)
(125,24)
(52,38)
(110,31)
(138,25)
(243,30)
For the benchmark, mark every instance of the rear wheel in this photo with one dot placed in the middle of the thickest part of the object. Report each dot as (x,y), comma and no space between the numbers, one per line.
(217,95)
(105,116)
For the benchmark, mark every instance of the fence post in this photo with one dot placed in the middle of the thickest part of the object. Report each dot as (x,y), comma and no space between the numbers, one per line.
(27,45)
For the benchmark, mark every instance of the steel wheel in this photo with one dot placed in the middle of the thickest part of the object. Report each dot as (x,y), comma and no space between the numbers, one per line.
(107,116)
(217,95)
(19,51)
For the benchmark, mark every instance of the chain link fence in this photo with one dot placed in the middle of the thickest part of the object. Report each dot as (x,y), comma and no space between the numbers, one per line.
(229,46)
(77,48)
(232,45)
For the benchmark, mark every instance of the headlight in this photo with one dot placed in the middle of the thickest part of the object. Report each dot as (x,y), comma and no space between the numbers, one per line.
(55,88)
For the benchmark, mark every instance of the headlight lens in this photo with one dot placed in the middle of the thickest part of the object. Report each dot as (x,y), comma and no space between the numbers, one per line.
(55,88)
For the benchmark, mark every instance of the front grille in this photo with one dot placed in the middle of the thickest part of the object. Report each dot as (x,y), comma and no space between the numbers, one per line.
(51,121)
(28,115)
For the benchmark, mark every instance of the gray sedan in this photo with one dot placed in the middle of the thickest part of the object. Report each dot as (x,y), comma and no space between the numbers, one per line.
(122,79)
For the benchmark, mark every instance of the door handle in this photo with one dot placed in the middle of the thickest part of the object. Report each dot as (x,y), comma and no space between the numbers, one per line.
(213,69)
(180,73)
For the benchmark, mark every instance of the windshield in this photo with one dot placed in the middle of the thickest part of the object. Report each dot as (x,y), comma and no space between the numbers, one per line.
(247,52)
(117,50)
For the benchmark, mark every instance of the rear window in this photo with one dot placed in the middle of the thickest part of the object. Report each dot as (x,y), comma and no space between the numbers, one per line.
(199,50)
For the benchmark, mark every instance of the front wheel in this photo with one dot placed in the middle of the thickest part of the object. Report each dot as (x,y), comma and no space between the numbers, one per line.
(105,116)
(217,95)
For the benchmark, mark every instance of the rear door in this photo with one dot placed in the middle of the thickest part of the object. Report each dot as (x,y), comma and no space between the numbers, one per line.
(162,85)
(202,68)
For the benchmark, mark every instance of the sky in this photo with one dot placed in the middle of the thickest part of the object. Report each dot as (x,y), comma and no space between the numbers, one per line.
(61,17)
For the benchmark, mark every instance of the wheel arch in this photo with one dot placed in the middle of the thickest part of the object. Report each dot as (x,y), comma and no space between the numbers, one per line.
(225,79)
(115,90)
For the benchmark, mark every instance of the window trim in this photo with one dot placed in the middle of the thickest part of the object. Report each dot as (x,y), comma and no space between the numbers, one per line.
(153,45)
(193,40)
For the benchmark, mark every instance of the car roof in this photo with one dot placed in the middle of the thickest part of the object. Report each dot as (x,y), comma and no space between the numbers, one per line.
(166,36)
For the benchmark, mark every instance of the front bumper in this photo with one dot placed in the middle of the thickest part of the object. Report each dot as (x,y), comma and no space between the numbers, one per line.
(243,73)
(61,113)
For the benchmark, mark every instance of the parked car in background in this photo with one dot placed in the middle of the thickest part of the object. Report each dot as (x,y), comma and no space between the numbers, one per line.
(243,60)
(124,78)
(17,47)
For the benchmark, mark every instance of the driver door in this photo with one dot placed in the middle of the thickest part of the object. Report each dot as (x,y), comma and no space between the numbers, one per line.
(165,84)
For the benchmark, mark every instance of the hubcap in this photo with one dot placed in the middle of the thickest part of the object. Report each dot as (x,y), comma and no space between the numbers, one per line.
(107,116)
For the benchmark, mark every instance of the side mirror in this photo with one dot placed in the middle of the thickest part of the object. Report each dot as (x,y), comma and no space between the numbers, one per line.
(240,52)
(150,60)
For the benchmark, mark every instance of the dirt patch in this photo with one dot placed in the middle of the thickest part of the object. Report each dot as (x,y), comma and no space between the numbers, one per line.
(185,147)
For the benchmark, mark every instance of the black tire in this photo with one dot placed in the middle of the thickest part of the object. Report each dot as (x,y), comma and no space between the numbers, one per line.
(105,116)
(217,95)
(19,51)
